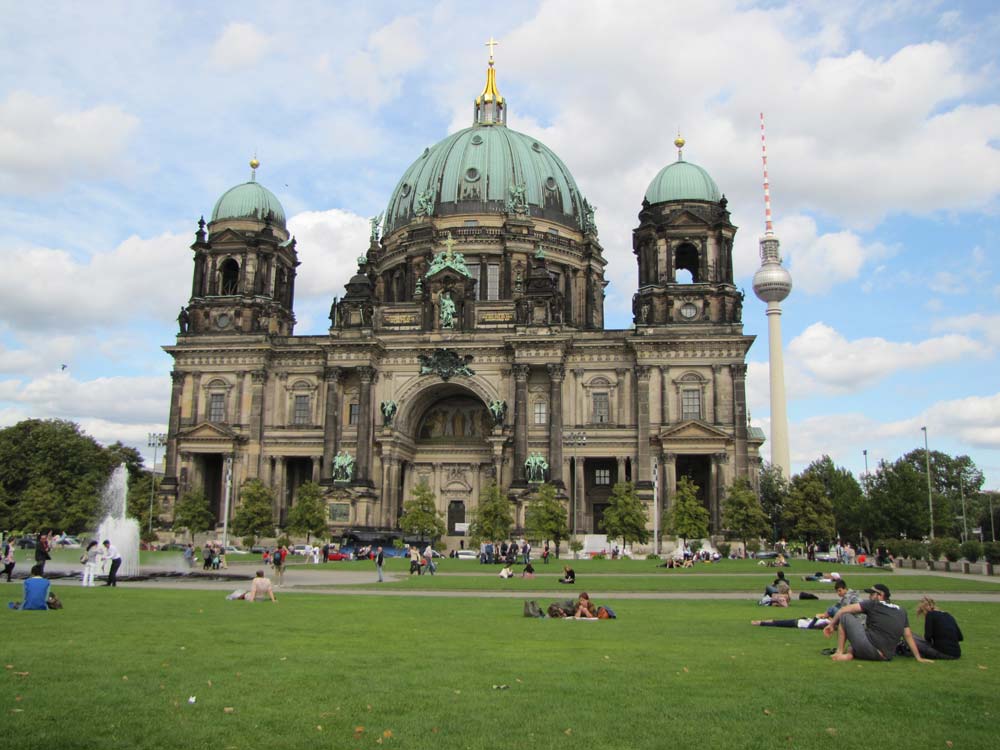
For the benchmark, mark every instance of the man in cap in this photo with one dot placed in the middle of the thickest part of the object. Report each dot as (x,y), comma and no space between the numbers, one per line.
(875,639)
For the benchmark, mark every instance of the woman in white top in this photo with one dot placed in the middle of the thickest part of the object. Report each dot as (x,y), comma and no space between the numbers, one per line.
(261,589)
(90,563)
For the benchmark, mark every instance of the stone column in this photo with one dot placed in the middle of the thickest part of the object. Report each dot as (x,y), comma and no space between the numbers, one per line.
(643,478)
(622,417)
(316,460)
(331,420)
(520,421)
(279,487)
(390,489)
(621,469)
(714,492)
(665,394)
(716,387)
(195,396)
(556,375)
(580,497)
(366,376)
(173,425)
(670,480)
(739,372)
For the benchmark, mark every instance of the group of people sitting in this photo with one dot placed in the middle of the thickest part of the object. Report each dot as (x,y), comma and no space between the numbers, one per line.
(581,608)
(876,628)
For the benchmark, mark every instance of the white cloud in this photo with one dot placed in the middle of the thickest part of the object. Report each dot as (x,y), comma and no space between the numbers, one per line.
(837,364)
(43,288)
(240,46)
(43,147)
(978,323)
(974,420)
(329,244)
(128,400)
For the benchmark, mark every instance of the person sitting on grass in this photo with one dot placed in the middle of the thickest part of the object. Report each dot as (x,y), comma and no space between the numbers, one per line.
(941,633)
(845,596)
(584,609)
(261,589)
(569,575)
(36,591)
(507,571)
(875,639)
(529,571)
(803,623)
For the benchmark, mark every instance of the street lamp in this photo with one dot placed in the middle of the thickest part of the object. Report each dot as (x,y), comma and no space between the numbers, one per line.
(156,440)
(574,440)
(865,452)
(927,458)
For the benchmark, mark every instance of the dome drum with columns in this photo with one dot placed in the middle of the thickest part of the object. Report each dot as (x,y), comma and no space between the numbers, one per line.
(470,339)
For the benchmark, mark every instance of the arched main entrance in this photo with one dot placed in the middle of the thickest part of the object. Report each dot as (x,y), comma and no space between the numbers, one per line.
(446,428)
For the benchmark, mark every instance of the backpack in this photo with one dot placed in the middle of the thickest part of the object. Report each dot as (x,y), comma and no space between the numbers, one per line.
(531,609)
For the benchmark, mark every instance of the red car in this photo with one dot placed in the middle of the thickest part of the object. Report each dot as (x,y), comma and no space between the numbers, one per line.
(337,556)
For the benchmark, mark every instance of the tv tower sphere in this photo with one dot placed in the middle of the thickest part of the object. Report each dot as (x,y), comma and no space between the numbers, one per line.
(772,282)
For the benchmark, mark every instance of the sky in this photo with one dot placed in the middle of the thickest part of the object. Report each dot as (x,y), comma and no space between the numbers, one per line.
(122,123)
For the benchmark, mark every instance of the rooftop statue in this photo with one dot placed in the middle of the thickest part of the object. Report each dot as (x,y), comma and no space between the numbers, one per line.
(343,467)
(535,467)
(448,258)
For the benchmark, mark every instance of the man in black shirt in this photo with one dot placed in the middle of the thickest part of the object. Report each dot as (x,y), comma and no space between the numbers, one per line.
(876,638)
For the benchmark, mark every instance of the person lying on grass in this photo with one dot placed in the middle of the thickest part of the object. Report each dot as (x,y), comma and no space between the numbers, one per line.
(803,623)
(584,607)
(876,638)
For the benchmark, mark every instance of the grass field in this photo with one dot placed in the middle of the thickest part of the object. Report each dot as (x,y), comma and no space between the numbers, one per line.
(116,669)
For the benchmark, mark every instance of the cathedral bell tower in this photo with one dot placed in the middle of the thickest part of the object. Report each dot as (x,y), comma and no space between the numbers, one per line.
(684,248)
(244,266)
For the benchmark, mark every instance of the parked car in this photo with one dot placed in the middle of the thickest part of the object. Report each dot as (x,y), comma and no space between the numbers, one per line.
(233,550)
(69,542)
(26,542)
(467,554)
(337,556)
(173,547)
(301,549)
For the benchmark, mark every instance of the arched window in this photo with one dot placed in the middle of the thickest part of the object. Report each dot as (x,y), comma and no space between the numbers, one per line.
(686,259)
(230,271)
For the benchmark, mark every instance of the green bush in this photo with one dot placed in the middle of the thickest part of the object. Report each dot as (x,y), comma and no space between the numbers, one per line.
(913,549)
(972,550)
(724,548)
(991,551)
(951,549)
(652,556)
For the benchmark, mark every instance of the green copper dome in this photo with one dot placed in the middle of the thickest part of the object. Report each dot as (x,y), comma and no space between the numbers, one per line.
(487,169)
(251,200)
(682,181)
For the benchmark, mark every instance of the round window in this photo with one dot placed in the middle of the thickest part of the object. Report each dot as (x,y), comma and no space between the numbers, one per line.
(550,183)
(404,189)
(471,174)
(477,140)
(536,147)
(688,311)
(222,321)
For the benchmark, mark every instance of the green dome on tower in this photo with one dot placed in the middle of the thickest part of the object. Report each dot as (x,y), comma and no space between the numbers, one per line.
(251,200)
(682,181)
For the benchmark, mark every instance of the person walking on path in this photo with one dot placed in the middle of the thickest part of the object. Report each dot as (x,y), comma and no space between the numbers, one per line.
(42,548)
(278,561)
(429,557)
(111,553)
(8,559)
(379,562)
(90,563)
(876,638)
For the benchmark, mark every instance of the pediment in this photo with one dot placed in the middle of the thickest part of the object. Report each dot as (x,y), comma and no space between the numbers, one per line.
(693,429)
(686,218)
(208,431)
(225,236)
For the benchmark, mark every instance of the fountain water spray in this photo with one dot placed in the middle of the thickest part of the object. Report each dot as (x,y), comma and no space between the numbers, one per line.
(123,532)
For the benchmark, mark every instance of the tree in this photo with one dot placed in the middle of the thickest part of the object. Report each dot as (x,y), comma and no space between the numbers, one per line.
(308,515)
(254,515)
(951,478)
(773,496)
(493,519)
(420,514)
(897,501)
(625,516)
(809,512)
(192,513)
(846,497)
(687,518)
(742,513)
(545,517)
(51,475)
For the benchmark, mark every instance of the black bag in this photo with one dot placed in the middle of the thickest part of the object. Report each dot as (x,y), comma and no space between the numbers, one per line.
(531,609)
(807,595)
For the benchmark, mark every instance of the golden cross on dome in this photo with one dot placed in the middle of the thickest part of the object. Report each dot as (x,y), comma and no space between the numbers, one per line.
(491,44)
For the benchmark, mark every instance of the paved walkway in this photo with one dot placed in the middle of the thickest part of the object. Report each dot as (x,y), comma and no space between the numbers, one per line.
(333,578)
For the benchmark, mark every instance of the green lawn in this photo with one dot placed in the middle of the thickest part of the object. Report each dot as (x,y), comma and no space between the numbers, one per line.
(115,669)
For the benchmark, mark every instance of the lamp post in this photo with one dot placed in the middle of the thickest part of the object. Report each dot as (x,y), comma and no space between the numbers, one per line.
(865,452)
(155,440)
(961,492)
(927,459)
(574,440)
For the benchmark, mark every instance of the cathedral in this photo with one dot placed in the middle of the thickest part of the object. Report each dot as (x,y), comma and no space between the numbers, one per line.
(469,348)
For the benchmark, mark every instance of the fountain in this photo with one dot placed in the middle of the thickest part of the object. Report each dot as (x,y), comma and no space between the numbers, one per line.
(116,526)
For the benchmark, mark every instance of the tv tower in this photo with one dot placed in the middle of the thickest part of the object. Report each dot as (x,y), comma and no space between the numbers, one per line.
(772,283)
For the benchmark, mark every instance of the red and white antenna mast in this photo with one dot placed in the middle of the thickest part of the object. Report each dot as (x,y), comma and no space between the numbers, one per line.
(768,226)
